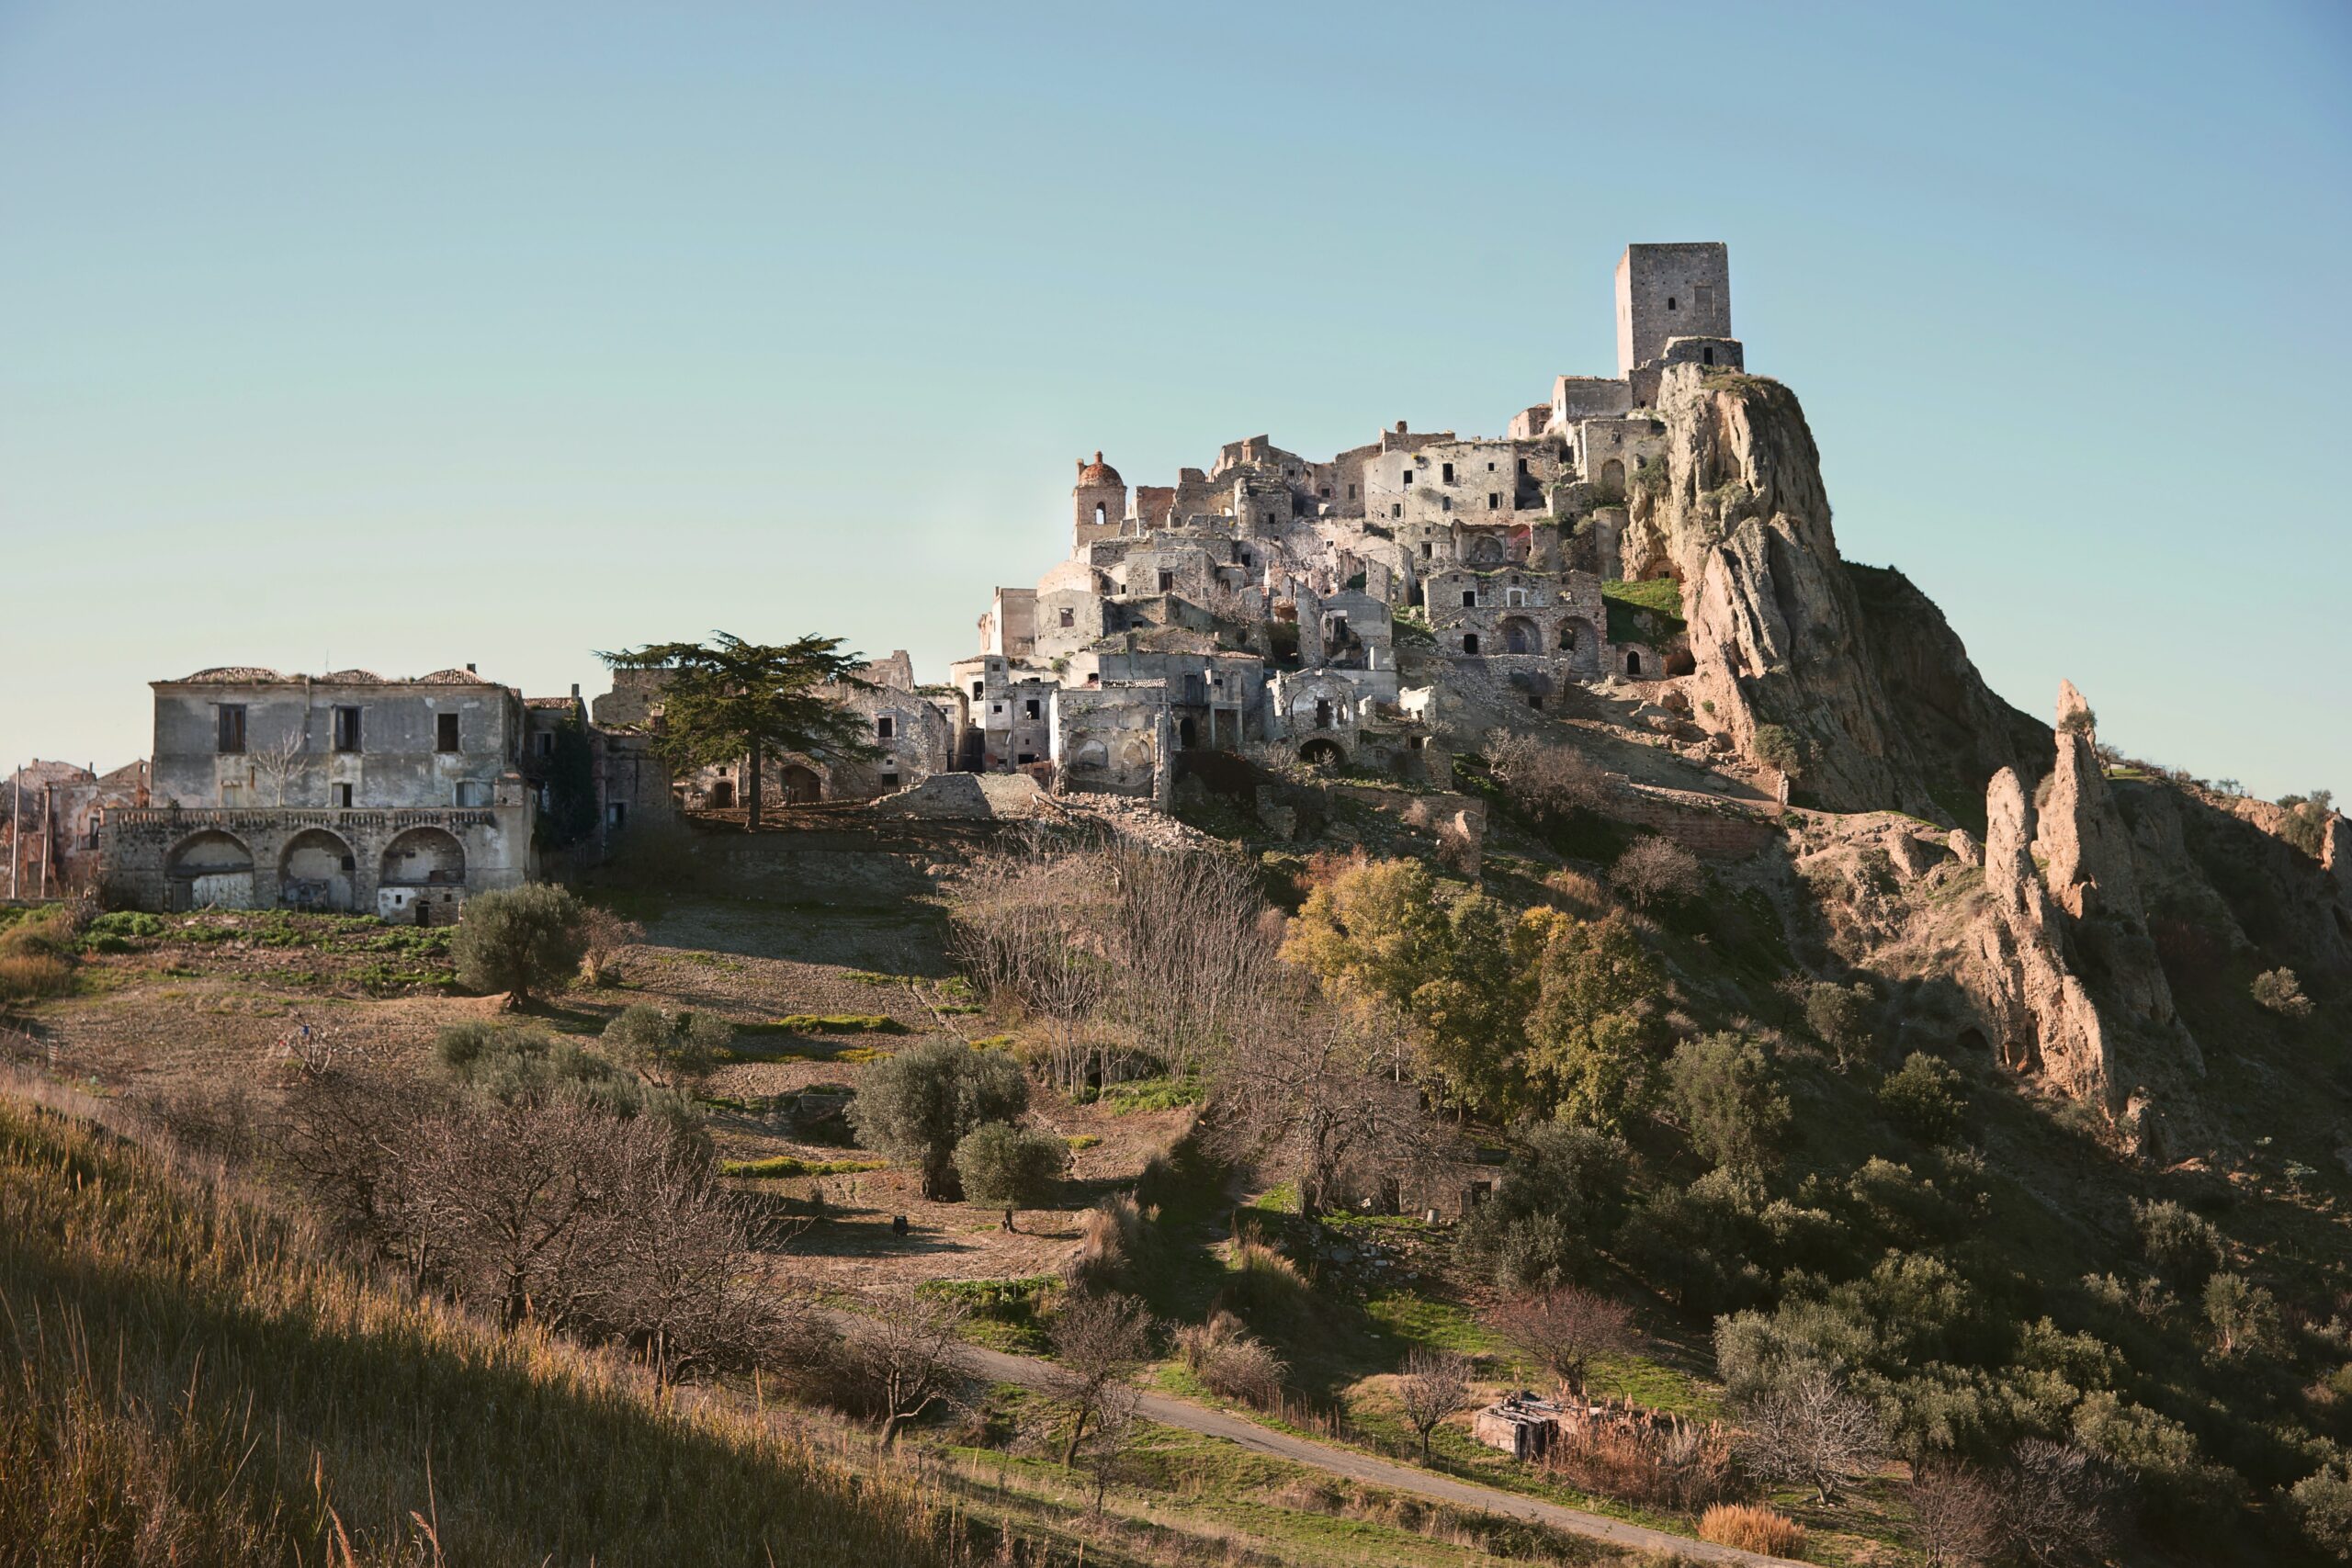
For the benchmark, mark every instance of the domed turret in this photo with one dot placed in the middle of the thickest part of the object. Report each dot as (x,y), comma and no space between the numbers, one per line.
(1100,498)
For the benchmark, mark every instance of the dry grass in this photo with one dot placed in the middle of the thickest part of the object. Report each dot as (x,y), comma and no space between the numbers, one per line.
(1752,1527)
(190,1378)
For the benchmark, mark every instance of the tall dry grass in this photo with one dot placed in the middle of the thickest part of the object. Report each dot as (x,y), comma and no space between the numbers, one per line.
(186,1377)
(1752,1527)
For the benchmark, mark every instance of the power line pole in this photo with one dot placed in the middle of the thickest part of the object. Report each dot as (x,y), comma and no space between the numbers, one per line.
(15,827)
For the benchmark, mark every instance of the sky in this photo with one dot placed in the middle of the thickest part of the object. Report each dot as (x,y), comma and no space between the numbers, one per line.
(407,336)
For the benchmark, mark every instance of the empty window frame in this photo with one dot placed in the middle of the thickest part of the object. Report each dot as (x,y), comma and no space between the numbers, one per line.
(346,730)
(231,741)
(343,796)
(884,726)
(444,734)
(1029,708)
(1447,471)
(1069,618)
(1494,500)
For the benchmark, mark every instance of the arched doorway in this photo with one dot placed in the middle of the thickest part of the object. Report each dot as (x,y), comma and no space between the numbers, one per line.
(1322,754)
(422,878)
(1612,474)
(722,795)
(1520,634)
(1487,551)
(1632,662)
(801,786)
(1188,734)
(314,871)
(212,869)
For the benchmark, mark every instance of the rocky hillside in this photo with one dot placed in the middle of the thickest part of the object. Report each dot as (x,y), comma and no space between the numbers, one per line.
(1853,662)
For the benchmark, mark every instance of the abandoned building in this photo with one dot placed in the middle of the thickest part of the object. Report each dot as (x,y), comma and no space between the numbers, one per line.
(1255,606)
(348,792)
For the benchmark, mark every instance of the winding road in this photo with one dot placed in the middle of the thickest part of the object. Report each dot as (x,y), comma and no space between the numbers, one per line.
(1170,1411)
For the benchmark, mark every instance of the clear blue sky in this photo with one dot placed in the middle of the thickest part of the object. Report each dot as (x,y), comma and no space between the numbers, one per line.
(411,335)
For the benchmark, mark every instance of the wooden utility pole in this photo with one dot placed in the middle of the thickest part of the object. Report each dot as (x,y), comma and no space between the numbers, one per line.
(48,833)
(15,827)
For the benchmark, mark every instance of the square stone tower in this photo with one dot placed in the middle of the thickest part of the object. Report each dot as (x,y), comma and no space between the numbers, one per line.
(1669,291)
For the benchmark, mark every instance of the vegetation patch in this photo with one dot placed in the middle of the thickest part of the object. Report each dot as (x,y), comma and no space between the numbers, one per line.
(778,1167)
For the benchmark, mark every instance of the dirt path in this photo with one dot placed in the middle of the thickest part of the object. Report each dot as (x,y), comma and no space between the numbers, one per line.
(1172,1412)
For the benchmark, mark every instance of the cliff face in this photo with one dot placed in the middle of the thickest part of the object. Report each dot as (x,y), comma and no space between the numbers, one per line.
(1854,662)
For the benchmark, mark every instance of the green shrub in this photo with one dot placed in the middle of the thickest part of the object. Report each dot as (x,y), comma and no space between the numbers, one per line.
(1723,1092)
(674,1049)
(2184,1247)
(1009,1167)
(1924,1098)
(127,923)
(520,939)
(918,1105)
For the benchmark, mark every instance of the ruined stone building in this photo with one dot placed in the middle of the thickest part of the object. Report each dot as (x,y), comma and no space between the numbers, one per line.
(1256,606)
(347,792)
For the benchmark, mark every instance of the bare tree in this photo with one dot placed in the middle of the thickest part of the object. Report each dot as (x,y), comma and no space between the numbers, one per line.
(1956,1515)
(1029,928)
(1811,1432)
(911,1356)
(1548,780)
(1656,869)
(1434,1385)
(1312,1093)
(1563,1328)
(1099,1343)
(2058,1504)
(283,763)
(607,934)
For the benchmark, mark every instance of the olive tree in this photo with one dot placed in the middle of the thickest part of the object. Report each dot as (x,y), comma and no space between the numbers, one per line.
(1009,1168)
(918,1105)
(519,939)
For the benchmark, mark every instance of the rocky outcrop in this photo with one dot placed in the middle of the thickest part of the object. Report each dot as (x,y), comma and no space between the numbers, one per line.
(1778,631)
(2066,969)
(2043,1020)
(2082,841)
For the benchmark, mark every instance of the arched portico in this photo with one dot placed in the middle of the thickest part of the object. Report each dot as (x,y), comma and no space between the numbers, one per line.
(315,870)
(210,869)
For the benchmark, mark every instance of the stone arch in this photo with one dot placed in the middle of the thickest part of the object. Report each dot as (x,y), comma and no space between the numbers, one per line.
(800,784)
(1090,753)
(1188,734)
(424,857)
(1136,753)
(1487,551)
(1633,661)
(1520,636)
(1612,473)
(315,870)
(207,869)
(722,795)
(1322,752)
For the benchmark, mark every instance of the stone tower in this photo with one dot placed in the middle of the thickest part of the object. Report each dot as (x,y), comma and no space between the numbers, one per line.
(1669,291)
(1099,502)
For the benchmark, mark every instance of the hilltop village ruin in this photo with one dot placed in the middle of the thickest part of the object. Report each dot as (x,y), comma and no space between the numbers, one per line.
(1254,607)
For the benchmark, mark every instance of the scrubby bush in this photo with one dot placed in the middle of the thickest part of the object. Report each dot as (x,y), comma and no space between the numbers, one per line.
(1562,1195)
(1109,1237)
(1723,1094)
(917,1106)
(1009,1167)
(1839,1017)
(674,1050)
(2322,1503)
(134,923)
(2279,990)
(1776,746)
(2181,1245)
(603,936)
(519,939)
(1230,1362)
(1924,1098)
(2243,1316)
(1750,1526)
(1657,870)
(2305,826)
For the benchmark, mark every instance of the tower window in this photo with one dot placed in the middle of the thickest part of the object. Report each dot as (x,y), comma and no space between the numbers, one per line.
(1493,502)
(1098,514)
(231,729)
(1069,618)
(1449,473)
(1669,302)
